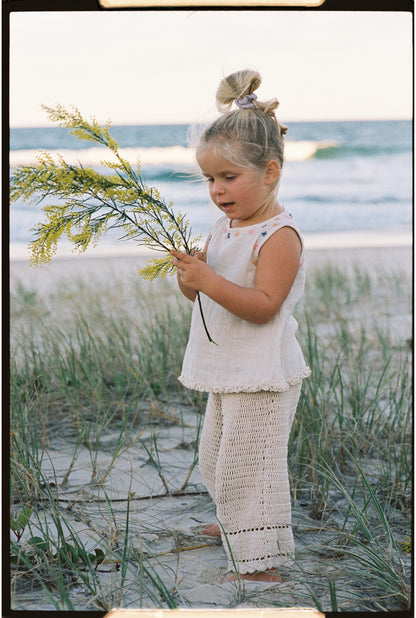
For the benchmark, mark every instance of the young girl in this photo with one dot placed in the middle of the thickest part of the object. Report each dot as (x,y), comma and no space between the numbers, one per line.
(250,277)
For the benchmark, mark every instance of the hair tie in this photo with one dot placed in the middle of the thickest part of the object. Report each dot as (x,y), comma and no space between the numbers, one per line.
(246,101)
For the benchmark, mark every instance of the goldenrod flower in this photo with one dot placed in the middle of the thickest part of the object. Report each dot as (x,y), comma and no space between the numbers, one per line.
(91,202)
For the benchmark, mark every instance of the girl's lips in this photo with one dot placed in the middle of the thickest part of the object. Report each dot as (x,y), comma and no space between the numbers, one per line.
(226,205)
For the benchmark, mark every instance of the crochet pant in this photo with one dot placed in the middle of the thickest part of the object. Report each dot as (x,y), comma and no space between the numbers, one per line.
(243,463)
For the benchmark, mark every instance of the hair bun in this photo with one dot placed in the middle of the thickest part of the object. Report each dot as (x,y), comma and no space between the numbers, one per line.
(253,126)
(236,86)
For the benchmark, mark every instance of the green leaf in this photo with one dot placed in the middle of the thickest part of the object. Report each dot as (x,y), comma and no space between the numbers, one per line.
(99,556)
(38,543)
(70,550)
(24,516)
(83,555)
(23,519)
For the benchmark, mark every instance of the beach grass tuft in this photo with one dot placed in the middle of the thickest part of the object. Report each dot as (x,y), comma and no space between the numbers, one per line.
(94,369)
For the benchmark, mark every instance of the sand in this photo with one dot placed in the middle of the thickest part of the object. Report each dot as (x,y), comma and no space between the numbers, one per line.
(168,525)
(44,278)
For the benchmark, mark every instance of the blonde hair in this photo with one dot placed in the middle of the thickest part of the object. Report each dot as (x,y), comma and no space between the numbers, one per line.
(248,137)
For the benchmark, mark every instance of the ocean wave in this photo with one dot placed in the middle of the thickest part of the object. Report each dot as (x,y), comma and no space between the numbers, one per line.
(308,149)
(361,151)
(94,156)
(174,157)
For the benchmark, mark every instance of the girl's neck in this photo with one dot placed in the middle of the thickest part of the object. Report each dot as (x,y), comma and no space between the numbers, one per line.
(265,212)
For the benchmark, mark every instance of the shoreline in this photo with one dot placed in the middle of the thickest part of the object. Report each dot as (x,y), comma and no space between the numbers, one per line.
(396,250)
(104,268)
(357,240)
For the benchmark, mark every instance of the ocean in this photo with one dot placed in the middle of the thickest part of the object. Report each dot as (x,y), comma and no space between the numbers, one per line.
(347,184)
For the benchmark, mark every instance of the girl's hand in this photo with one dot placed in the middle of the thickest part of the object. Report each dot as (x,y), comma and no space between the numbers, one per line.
(201,255)
(276,270)
(193,273)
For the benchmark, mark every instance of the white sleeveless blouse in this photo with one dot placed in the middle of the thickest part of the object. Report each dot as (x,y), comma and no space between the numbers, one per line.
(248,357)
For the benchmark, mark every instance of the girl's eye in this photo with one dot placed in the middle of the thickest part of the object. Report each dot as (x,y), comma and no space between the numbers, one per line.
(211,180)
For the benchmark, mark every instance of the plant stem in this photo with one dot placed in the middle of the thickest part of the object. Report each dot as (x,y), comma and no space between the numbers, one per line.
(203,319)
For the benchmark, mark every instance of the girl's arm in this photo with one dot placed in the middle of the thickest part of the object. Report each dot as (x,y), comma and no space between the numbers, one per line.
(277,266)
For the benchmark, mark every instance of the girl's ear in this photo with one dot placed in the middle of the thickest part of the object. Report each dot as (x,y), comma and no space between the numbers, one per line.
(272,170)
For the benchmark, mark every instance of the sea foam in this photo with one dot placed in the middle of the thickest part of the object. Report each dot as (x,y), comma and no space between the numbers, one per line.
(173,156)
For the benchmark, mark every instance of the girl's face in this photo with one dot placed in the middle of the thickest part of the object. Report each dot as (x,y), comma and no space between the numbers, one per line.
(242,193)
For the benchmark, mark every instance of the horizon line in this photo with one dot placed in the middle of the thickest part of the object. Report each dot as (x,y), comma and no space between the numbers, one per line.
(182,123)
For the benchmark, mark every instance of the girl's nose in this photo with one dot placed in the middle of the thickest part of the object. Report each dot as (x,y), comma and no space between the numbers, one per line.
(217,187)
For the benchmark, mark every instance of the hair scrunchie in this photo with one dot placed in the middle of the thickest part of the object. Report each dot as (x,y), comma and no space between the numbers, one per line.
(246,101)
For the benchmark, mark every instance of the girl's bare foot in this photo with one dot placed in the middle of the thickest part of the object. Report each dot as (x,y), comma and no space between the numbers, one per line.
(211,530)
(271,575)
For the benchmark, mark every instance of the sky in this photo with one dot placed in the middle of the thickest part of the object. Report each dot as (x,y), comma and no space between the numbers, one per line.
(140,67)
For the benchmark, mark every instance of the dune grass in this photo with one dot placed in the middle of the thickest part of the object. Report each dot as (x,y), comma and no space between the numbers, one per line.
(90,361)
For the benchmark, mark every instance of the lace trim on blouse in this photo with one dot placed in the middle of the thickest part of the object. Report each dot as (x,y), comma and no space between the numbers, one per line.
(262,386)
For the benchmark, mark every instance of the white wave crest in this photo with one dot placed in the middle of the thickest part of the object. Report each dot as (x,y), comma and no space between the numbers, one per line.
(94,156)
(174,156)
(303,150)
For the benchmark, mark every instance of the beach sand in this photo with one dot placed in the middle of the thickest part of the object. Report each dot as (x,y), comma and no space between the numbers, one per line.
(168,525)
(85,266)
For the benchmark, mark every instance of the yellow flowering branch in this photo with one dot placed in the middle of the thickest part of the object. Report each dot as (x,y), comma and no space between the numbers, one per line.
(90,203)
